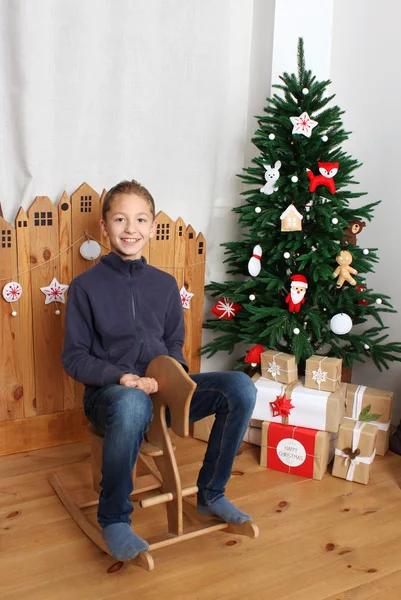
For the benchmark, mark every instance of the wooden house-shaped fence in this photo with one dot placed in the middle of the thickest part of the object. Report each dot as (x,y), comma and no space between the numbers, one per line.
(40,405)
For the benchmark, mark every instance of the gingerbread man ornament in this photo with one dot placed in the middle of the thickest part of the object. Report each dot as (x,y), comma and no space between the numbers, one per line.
(344,271)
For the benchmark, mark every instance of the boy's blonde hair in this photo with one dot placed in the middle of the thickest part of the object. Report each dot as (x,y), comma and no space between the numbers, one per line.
(127,187)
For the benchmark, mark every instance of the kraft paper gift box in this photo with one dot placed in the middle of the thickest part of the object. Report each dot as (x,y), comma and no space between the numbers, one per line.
(308,408)
(278,366)
(296,450)
(253,435)
(381,403)
(355,451)
(323,373)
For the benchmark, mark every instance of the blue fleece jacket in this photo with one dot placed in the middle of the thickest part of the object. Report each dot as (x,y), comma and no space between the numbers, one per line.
(120,315)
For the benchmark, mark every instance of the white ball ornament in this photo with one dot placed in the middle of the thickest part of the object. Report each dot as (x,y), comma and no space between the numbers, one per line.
(305,91)
(254,365)
(379,301)
(341,324)
(366,346)
(294,179)
(325,138)
(334,220)
(286,255)
(365,251)
(252,297)
(90,250)
(296,331)
(258,209)
(14,313)
(57,312)
(271,136)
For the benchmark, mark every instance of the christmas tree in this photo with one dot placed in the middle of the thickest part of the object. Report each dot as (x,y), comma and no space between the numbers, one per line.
(293,287)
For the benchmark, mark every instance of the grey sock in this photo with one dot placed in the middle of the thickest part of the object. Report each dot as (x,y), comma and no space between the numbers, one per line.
(224,509)
(122,542)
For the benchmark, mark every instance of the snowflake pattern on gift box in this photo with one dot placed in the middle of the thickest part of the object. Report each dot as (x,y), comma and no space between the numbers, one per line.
(319,376)
(274,369)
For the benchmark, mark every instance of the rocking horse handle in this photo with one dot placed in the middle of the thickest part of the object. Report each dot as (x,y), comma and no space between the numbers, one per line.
(175,391)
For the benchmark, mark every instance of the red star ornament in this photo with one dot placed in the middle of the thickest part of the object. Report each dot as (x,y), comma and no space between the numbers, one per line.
(225,309)
(254,353)
(281,406)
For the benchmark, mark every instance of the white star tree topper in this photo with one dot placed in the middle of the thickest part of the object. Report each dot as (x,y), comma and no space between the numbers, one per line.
(185,297)
(54,292)
(303,124)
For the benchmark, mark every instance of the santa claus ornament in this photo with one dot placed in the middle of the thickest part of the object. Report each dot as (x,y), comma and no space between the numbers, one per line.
(296,297)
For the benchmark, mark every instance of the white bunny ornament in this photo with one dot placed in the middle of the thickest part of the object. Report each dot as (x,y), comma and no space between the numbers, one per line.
(271,176)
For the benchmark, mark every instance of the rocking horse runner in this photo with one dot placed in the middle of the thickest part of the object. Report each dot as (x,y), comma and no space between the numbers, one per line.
(121,314)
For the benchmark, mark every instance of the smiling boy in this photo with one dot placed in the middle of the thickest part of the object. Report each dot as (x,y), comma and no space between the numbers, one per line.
(121,314)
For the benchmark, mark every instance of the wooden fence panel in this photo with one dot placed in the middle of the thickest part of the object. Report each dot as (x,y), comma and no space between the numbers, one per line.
(47,325)
(85,217)
(26,356)
(11,390)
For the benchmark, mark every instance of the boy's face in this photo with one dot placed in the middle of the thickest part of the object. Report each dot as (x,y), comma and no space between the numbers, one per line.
(129,224)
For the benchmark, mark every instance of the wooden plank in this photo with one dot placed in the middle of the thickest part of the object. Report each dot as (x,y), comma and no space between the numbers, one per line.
(161,253)
(26,356)
(65,235)
(11,385)
(179,251)
(198,301)
(190,283)
(103,241)
(47,325)
(85,217)
(43,431)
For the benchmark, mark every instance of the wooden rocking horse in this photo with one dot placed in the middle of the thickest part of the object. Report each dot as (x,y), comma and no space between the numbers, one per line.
(175,391)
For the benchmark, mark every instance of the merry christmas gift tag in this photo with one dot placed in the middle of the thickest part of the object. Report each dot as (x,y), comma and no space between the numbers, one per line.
(297,405)
(296,450)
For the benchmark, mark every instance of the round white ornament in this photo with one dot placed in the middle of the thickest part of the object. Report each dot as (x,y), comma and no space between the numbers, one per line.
(14,313)
(294,179)
(334,220)
(341,324)
(254,365)
(379,301)
(252,297)
(365,251)
(286,255)
(57,312)
(271,136)
(366,346)
(291,452)
(12,291)
(305,91)
(258,209)
(296,331)
(325,138)
(90,250)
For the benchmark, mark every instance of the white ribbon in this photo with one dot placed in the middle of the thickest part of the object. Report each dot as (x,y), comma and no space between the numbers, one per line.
(381,426)
(358,397)
(353,462)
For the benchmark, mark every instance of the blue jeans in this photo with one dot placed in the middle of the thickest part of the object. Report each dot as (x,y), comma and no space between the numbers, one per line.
(123,414)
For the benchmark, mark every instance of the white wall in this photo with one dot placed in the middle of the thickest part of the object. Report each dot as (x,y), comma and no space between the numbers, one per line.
(365,71)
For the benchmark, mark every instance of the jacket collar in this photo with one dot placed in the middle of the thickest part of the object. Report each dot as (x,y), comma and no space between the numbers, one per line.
(127,267)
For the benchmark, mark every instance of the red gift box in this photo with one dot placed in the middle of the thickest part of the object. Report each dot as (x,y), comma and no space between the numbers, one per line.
(296,450)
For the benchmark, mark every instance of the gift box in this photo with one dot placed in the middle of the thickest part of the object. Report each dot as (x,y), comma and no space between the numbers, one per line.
(381,403)
(295,404)
(323,373)
(253,435)
(203,428)
(278,366)
(355,451)
(296,450)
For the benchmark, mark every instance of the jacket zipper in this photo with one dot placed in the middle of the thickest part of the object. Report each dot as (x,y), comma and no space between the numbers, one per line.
(135,320)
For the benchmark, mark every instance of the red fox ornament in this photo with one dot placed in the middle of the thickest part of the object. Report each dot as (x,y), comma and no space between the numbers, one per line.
(327,172)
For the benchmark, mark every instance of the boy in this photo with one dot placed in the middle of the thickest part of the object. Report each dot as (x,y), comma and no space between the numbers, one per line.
(121,314)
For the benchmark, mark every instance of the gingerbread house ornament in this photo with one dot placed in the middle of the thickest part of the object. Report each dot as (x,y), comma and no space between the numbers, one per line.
(291,219)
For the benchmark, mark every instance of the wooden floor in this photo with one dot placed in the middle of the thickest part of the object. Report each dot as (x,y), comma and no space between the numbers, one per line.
(319,540)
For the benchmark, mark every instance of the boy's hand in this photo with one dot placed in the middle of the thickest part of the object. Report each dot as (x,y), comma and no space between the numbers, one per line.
(146,384)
